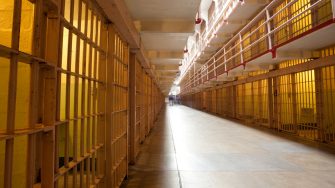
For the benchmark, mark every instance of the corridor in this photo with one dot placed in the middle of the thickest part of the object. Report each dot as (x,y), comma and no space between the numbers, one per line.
(84,83)
(190,148)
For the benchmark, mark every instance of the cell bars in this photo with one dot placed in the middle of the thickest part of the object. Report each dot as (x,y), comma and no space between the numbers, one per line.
(64,98)
(296,98)
(147,101)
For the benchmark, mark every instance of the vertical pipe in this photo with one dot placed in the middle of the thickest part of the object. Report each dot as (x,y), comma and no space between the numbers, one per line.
(268,26)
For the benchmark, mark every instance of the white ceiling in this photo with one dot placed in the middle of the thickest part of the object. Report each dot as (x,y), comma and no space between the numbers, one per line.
(164,26)
(163,9)
(164,41)
(165,61)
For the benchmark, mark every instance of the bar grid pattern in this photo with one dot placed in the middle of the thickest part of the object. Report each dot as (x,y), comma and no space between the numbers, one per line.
(296,99)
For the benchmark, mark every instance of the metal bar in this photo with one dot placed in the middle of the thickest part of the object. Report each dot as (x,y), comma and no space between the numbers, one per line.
(269,32)
(241,48)
(268,26)
(333,8)
(294,101)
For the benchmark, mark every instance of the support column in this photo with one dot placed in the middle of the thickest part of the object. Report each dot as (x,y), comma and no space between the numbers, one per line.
(50,106)
(294,103)
(270,102)
(109,102)
(132,109)
(319,104)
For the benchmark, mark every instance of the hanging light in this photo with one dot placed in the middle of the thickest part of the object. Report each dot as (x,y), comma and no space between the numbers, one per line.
(198,21)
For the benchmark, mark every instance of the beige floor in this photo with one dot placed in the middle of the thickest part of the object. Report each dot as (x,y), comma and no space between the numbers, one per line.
(192,149)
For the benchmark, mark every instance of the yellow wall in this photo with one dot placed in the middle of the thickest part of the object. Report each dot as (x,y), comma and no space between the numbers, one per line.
(23,87)
(20,161)
(22,96)
(4,75)
(6,22)
(90,69)
(21,119)
(26,27)
(264,99)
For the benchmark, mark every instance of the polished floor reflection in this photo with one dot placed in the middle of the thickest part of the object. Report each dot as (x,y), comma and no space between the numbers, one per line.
(192,149)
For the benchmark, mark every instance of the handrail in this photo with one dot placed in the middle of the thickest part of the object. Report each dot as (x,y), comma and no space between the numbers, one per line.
(219,16)
(255,19)
(275,29)
(265,35)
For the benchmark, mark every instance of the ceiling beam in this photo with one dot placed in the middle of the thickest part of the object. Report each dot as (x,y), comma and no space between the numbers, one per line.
(166,67)
(153,54)
(165,61)
(165,26)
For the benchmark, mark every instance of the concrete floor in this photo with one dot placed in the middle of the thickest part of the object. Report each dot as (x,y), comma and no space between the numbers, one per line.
(193,149)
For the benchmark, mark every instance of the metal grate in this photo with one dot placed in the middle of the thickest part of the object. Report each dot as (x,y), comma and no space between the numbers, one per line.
(260,102)
(328,103)
(306,105)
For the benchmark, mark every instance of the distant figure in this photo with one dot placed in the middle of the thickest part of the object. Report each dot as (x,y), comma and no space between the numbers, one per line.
(171,98)
(178,99)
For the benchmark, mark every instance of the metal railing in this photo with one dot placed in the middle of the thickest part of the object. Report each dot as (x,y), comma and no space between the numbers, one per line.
(225,10)
(277,24)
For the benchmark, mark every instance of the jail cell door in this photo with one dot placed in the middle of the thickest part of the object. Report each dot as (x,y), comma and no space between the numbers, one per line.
(294,104)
